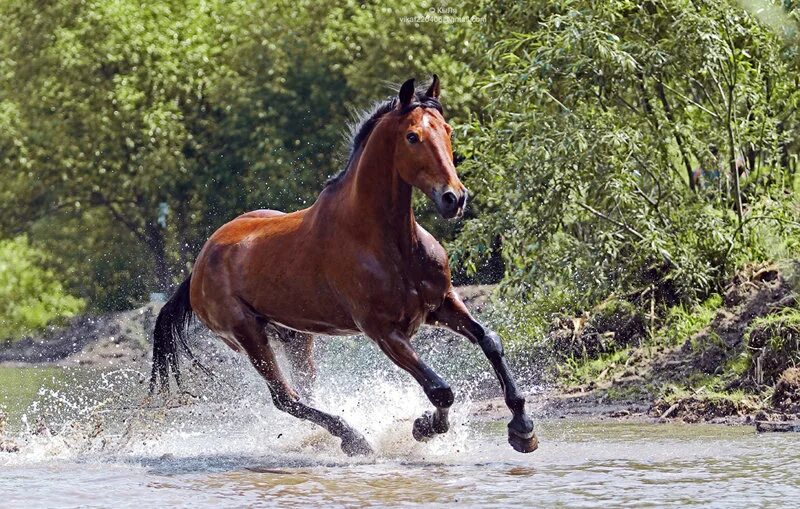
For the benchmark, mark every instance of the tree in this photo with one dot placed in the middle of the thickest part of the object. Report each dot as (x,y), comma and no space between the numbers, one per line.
(602,113)
(131,132)
(30,295)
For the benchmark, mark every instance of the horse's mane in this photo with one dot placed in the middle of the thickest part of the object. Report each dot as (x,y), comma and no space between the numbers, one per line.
(368,119)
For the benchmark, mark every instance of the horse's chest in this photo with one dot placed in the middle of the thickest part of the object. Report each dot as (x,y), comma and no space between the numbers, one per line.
(397,289)
(425,287)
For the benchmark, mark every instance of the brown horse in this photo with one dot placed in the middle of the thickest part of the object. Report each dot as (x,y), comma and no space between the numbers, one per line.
(354,262)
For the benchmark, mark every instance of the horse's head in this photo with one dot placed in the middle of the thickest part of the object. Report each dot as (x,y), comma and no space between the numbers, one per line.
(424,156)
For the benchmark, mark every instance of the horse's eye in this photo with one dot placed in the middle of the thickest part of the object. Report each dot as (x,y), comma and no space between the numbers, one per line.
(412,138)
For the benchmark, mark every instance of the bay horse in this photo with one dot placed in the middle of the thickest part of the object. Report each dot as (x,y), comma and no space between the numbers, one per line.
(354,262)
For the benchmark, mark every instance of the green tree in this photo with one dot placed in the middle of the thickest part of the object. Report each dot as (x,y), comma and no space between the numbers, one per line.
(30,295)
(601,113)
(150,126)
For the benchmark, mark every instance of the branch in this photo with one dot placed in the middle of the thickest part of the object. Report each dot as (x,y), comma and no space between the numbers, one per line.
(708,96)
(688,99)
(127,222)
(678,138)
(611,220)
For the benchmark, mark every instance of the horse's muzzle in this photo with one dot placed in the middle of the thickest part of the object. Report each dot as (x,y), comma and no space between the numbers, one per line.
(451,202)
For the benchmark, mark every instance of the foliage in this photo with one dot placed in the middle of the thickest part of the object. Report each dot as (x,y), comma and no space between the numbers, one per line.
(773,342)
(30,294)
(682,323)
(602,113)
(579,370)
(598,138)
(151,125)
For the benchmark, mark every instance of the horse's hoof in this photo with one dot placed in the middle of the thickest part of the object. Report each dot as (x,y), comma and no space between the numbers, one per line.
(423,428)
(523,442)
(356,446)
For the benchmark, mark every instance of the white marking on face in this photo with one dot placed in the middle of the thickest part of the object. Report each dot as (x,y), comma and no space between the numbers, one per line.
(426,120)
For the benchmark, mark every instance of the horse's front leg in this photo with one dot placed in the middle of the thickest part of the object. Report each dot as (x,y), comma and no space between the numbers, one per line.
(454,315)
(397,347)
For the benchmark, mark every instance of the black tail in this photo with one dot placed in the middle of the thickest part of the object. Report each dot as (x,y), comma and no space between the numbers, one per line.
(169,332)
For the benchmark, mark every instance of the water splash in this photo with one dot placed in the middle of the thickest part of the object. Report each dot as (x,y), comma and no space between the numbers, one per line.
(105,416)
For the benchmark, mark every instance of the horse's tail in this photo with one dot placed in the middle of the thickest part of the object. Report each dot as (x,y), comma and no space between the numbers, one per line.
(169,333)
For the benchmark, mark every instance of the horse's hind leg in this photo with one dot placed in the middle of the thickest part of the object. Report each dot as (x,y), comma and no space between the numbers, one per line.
(299,348)
(286,399)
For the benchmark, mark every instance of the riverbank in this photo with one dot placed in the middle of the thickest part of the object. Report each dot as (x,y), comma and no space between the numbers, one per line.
(732,359)
(125,338)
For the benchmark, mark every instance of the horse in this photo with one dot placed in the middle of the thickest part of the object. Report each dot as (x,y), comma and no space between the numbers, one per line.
(354,262)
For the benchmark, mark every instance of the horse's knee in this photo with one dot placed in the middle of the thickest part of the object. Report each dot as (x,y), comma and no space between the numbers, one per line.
(490,344)
(440,396)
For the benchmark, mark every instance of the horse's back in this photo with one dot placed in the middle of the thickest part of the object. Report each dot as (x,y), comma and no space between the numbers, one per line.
(271,261)
(253,224)
(261,213)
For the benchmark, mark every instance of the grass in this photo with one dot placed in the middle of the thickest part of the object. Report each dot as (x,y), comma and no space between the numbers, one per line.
(682,323)
(710,393)
(773,344)
(578,371)
(777,327)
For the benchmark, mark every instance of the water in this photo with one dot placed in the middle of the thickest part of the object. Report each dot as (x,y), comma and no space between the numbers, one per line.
(89,438)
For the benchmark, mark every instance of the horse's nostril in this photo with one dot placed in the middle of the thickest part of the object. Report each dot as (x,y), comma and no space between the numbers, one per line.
(449,199)
(462,200)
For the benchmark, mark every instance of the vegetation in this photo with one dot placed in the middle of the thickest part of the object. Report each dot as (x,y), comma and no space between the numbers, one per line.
(774,343)
(30,295)
(602,113)
(635,153)
(129,133)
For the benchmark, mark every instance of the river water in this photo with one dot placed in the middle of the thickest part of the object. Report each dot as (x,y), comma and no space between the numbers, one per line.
(90,438)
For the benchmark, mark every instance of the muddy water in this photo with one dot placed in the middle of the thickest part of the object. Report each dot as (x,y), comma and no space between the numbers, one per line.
(91,439)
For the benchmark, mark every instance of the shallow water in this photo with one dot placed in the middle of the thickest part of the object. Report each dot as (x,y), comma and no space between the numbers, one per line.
(90,439)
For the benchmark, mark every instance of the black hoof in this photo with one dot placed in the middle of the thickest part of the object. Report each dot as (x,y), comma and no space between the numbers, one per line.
(356,445)
(523,442)
(427,426)
(423,428)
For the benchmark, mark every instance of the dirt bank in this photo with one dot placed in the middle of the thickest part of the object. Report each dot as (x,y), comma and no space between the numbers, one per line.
(731,360)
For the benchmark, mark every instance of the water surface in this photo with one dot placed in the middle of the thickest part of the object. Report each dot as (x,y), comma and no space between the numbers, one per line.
(91,439)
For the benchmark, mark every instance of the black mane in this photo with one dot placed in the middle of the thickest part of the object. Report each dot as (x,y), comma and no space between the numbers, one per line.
(363,127)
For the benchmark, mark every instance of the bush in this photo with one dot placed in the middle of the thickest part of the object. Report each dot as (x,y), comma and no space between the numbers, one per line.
(30,294)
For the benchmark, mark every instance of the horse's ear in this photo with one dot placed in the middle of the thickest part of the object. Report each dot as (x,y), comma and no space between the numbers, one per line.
(406,92)
(434,89)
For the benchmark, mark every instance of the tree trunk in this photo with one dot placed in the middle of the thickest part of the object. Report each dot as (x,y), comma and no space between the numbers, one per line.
(156,244)
(737,191)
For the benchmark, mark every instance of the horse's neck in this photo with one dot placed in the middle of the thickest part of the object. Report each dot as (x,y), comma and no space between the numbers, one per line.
(376,197)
